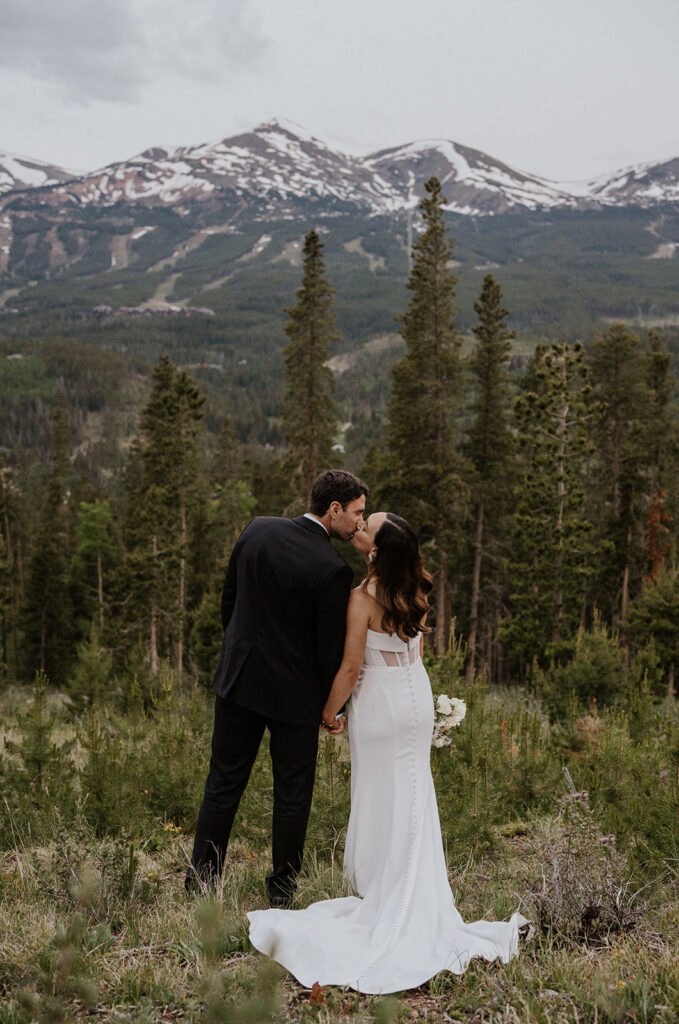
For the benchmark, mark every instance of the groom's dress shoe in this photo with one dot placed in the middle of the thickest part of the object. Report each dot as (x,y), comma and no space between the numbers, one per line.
(280,902)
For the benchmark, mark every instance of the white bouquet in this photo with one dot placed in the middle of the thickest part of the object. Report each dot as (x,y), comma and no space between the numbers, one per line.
(449,713)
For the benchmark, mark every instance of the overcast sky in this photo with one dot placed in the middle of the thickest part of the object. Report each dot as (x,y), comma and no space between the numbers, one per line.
(564,88)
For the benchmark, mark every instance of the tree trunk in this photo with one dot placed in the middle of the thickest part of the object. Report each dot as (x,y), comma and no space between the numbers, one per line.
(182,592)
(671,692)
(153,626)
(20,565)
(625,577)
(561,500)
(100,590)
(476,584)
(14,626)
(43,638)
(442,630)
(13,602)
(615,460)
(489,653)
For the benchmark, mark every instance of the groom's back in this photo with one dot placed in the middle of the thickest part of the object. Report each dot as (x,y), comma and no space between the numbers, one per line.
(283,609)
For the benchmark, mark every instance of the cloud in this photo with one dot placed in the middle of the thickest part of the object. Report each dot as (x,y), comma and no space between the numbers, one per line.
(207,39)
(111,49)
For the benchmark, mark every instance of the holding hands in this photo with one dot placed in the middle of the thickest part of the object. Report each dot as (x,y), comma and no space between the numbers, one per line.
(335,726)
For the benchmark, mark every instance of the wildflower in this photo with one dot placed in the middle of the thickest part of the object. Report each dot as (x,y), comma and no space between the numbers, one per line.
(317,996)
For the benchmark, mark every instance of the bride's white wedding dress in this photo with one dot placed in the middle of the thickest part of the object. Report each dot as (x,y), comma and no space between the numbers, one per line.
(402,927)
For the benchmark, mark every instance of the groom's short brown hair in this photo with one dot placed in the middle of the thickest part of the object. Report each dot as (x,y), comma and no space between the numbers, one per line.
(335,485)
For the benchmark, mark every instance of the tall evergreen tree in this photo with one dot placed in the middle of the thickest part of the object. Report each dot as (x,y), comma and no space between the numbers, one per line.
(309,411)
(552,545)
(490,445)
(95,548)
(163,492)
(47,620)
(189,470)
(421,474)
(654,612)
(620,379)
(662,445)
(230,507)
(232,501)
(663,439)
(5,609)
(12,531)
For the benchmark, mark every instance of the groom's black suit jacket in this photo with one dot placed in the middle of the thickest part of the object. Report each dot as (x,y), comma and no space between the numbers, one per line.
(283,611)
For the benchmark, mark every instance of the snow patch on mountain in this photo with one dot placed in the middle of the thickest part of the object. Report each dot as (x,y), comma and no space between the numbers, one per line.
(279,163)
(22,172)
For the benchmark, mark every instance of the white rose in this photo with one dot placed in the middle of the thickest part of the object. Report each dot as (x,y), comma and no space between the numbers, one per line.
(441,741)
(444,705)
(458,710)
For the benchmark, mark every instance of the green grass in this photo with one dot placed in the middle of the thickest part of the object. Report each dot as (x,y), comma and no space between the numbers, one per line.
(94,922)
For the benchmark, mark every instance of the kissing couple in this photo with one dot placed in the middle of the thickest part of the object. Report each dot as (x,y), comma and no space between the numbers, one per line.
(298,643)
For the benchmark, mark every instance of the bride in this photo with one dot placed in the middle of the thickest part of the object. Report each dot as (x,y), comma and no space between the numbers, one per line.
(401,927)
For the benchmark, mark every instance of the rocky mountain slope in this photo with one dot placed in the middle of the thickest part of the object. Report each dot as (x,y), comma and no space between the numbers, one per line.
(22,172)
(218,229)
(278,163)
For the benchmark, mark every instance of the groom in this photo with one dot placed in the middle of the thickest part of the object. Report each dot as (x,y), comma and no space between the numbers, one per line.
(283,611)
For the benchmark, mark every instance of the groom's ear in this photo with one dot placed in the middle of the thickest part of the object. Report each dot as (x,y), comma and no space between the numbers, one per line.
(335,509)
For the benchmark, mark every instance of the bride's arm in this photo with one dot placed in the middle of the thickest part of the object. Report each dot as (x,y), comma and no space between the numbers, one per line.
(358,617)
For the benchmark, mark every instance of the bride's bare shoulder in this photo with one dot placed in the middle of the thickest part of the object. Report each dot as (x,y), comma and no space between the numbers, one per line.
(364,601)
(360,597)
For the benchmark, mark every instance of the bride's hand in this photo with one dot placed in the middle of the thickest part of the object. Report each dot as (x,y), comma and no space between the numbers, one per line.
(338,728)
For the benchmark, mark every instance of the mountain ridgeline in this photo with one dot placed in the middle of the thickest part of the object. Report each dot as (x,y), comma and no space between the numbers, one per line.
(217,229)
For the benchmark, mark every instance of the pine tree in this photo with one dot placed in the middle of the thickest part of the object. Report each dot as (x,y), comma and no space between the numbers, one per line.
(95,547)
(663,439)
(5,607)
(490,444)
(619,376)
(46,773)
(46,615)
(12,531)
(309,411)
(230,507)
(232,501)
(552,547)
(164,489)
(655,613)
(662,444)
(421,474)
(188,471)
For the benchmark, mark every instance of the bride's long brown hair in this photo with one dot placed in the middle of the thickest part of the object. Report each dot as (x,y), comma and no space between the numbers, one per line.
(401,581)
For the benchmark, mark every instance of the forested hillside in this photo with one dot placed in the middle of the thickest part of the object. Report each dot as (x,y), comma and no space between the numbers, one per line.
(576,487)
(541,472)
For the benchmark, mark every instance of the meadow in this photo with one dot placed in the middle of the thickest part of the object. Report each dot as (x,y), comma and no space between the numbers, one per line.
(565,810)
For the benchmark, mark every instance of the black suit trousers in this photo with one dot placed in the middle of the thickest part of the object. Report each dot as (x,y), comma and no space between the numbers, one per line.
(236,739)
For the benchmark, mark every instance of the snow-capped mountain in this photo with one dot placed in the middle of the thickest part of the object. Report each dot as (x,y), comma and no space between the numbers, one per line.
(278,164)
(642,185)
(22,172)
